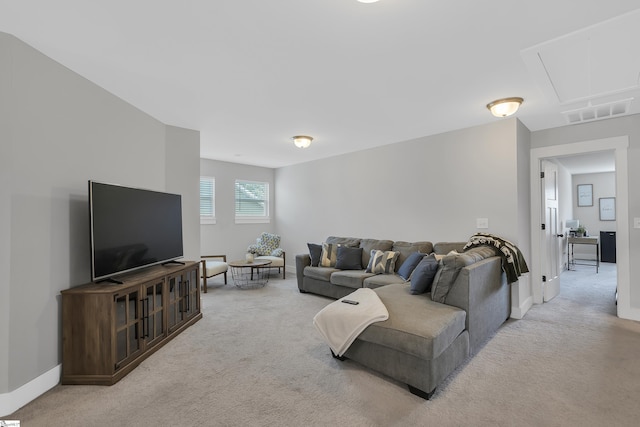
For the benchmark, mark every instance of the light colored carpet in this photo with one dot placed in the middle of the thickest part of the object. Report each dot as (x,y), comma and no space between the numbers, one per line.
(255,359)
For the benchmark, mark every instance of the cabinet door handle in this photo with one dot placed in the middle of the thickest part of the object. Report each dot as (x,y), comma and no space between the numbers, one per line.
(146,318)
(186,295)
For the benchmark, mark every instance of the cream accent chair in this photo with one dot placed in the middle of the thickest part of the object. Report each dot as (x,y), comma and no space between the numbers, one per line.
(211,268)
(267,248)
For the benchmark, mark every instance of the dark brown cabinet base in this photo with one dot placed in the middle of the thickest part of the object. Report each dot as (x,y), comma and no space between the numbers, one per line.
(108,329)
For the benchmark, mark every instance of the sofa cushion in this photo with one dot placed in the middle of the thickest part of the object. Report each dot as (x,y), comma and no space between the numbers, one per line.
(449,269)
(483,251)
(410,264)
(315,252)
(368,245)
(407,248)
(382,262)
(329,255)
(354,242)
(378,280)
(319,273)
(423,275)
(426,333)
(443,248)
(349,258)
(349,278)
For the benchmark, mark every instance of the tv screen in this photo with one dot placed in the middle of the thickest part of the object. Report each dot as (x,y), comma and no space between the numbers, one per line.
(132,228)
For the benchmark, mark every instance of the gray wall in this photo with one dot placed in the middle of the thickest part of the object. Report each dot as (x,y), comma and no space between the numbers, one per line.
(183,177)
(622,126)
(5,212)
(62,131)
(225,236)
(431,188)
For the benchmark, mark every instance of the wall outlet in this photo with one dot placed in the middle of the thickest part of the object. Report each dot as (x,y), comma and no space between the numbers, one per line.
(482,222)
(636,222)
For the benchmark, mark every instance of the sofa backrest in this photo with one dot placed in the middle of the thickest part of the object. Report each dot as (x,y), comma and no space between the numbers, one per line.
(443,248)
(407,248)
(367,245)
(482,291)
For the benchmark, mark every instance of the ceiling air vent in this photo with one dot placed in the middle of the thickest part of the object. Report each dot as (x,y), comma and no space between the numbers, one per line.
(598,112)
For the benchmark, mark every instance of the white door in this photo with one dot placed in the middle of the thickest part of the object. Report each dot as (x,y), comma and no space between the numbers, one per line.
(553,236)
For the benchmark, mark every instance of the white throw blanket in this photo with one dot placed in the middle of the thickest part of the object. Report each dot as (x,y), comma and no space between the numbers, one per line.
(341,323)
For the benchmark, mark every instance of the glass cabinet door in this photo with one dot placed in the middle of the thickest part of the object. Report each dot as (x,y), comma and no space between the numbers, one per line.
(128,338)
(175,301)
(192,292)
(184,297)
(153,323)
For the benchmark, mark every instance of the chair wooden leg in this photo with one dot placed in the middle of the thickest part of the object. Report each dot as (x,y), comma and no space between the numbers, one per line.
(204,284)
(225,277)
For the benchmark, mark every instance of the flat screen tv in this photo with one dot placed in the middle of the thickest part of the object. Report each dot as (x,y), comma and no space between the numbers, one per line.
(132,228)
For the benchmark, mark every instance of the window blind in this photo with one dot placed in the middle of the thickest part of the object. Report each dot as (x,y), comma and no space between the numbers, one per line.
(252,199)
(207,197)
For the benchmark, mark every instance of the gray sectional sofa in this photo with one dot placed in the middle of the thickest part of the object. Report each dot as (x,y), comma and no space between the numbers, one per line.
(423,340)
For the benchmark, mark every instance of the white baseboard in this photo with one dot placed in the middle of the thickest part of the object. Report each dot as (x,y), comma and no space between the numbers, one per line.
(629,313)
(518,312)
(12,401)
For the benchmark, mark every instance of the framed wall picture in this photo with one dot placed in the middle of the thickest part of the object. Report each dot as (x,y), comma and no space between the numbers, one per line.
(585,194)
(607,209)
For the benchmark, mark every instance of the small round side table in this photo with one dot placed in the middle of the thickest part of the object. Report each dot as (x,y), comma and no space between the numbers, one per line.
(248,275)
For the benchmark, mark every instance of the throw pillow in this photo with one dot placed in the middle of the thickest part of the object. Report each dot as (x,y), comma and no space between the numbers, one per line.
(423,274)
(315,252)
(409,265)
(382,262)
(450,267)
(329,255)
(349,258)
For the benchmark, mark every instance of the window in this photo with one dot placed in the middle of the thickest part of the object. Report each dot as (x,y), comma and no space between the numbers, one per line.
(252,202)
(207,200)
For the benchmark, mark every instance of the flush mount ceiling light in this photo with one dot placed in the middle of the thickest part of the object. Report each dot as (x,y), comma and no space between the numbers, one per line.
(367,1)
(302,141)
(504,107)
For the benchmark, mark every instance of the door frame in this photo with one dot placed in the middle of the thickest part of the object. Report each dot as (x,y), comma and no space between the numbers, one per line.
(620,145)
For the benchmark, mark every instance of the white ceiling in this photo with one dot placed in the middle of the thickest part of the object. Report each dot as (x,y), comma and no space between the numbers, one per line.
(589,163)
(250,74)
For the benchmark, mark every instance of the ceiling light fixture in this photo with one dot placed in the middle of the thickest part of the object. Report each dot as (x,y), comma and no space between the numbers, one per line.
(367,1)
(504,107)
(302,141)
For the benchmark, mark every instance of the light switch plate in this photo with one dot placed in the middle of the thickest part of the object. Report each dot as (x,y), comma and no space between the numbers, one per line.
(482,222)
(636,222)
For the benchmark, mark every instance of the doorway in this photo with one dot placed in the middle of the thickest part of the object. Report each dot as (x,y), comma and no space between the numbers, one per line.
(619,145)
(589,266)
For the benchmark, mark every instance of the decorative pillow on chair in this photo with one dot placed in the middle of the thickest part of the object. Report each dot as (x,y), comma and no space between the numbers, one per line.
(329,255)
(382,262)
(349,258)
(267,243)
(315,252)
(410,264)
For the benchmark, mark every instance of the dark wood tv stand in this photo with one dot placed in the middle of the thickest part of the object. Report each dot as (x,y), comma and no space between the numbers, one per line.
(108,329)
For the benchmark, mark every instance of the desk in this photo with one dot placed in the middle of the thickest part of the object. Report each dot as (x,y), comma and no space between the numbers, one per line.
(593,241)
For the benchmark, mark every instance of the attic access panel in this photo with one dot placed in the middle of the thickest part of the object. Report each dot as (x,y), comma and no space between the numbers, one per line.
(600,61)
